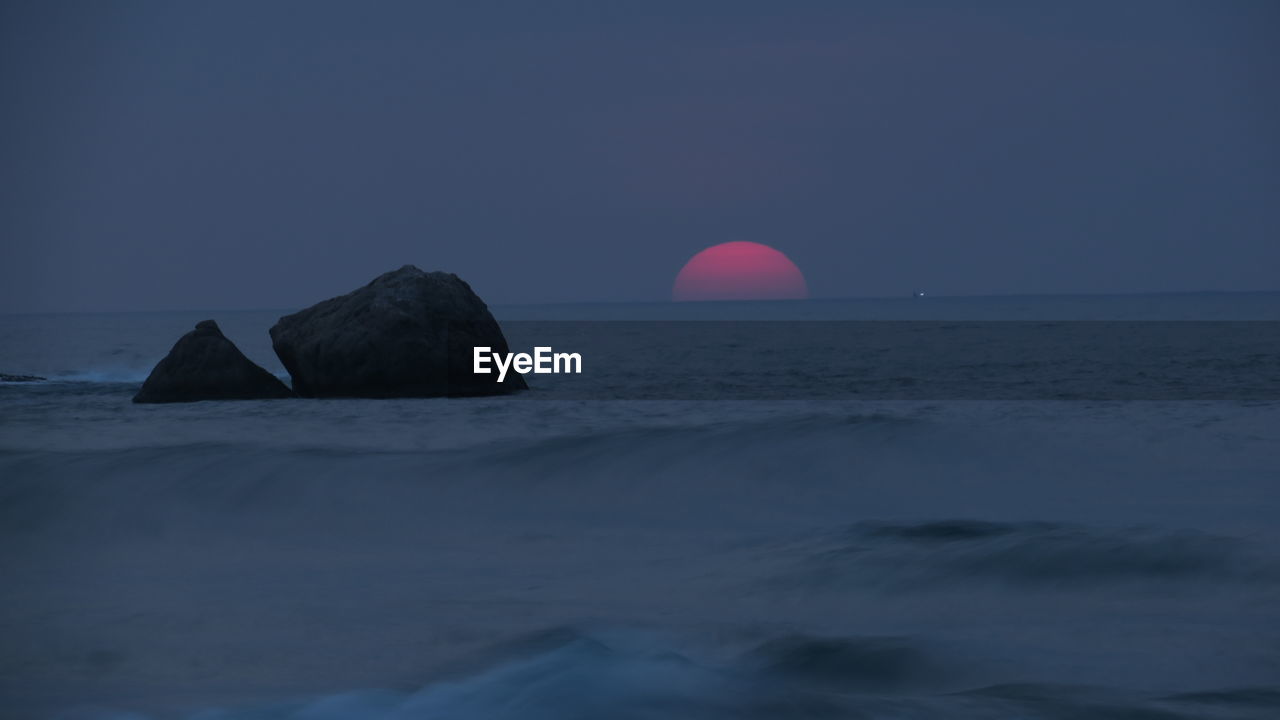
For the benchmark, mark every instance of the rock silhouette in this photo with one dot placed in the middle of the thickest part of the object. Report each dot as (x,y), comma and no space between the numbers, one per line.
(408,333)
(205,365)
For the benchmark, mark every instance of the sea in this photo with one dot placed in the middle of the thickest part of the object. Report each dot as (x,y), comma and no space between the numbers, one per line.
(1010,507)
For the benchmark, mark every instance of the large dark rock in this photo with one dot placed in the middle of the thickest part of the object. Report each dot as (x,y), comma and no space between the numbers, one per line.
(205,365)
(408,333)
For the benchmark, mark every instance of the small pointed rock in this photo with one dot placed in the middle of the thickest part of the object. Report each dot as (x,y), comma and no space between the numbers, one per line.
(205,365)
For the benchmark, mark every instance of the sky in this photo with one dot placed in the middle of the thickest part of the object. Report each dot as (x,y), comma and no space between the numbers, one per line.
(232,155)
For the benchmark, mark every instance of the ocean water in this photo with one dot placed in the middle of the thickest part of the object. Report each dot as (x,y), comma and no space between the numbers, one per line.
(948,508)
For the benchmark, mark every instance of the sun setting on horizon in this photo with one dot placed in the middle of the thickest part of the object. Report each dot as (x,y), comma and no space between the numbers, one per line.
(337,380)
(740,271)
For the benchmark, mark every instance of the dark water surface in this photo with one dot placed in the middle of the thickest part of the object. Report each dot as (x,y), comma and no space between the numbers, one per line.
(809,538)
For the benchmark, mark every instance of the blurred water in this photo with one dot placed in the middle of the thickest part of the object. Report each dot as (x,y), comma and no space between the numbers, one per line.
(560,554)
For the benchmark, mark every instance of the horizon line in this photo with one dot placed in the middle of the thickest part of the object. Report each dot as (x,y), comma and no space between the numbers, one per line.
(560,303)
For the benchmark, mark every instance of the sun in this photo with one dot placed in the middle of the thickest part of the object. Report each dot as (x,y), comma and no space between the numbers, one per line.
(739,271)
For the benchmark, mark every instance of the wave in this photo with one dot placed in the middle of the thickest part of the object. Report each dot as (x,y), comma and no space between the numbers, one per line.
(845,664)
(106,376)
(568,674)
(1261,697)
(91,376)
(720,439)
(111,376)
(1026,554)
(267,472)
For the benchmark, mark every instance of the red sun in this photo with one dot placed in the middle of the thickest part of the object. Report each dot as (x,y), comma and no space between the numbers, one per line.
(739,271)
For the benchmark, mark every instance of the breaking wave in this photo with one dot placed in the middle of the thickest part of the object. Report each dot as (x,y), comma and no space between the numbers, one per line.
(568,674)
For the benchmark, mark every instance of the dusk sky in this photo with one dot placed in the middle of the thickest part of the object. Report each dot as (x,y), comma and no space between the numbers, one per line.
(233,155)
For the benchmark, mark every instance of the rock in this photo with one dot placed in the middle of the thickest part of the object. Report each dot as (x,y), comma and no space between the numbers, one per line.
(408,333)
(5,377)
(205,365)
